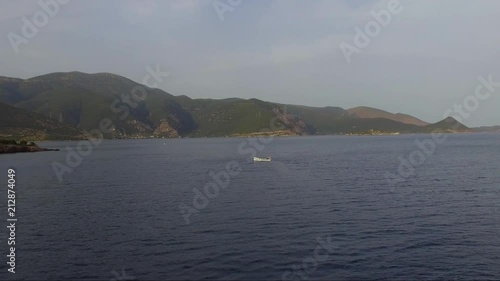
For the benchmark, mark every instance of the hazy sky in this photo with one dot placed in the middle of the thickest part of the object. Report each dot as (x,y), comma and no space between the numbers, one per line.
(427,59)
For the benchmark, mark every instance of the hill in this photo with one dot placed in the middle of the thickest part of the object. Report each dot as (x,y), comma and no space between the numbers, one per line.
(66,101)
(321,120)
(83,100)
(230,117)
(21,125)
(368,112)
(448,125)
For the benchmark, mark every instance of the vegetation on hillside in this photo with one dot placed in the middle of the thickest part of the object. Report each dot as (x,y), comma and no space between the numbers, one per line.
(60,105)
(368,112)
(17,124)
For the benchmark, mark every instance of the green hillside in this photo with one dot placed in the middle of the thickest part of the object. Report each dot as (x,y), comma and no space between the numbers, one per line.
(18,124)
(82,100)
(323,120)
(368,112)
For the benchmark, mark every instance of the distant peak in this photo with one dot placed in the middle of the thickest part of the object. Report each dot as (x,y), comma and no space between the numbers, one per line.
(450,122)
(450,119)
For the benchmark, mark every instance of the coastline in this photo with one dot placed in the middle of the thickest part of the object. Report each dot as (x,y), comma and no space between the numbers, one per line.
(18,148)
(260,135)
(279,134)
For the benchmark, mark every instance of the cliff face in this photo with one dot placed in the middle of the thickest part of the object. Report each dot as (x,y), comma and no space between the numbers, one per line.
(165,130)
(292,123)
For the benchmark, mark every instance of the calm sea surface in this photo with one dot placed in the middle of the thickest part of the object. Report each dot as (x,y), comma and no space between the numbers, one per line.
(117,216)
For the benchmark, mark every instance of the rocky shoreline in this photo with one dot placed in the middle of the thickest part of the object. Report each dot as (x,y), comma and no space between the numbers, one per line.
(18,148)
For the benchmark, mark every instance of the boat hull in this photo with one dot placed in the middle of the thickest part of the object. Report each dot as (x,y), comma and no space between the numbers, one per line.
(257,159)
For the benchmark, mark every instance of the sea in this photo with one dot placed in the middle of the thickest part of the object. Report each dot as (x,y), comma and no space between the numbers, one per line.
(326,208)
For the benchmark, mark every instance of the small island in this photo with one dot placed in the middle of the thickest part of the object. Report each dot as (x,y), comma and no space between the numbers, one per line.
(12,146)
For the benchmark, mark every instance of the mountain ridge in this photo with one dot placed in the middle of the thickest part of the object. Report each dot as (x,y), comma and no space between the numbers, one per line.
(370,112)
(81,100)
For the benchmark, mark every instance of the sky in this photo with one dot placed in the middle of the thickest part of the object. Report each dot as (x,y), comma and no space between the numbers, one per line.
(426,59)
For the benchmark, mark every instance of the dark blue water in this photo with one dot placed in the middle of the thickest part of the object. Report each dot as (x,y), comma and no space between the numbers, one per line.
(117,215)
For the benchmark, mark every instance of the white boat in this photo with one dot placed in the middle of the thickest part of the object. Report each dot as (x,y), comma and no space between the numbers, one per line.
(258,159)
